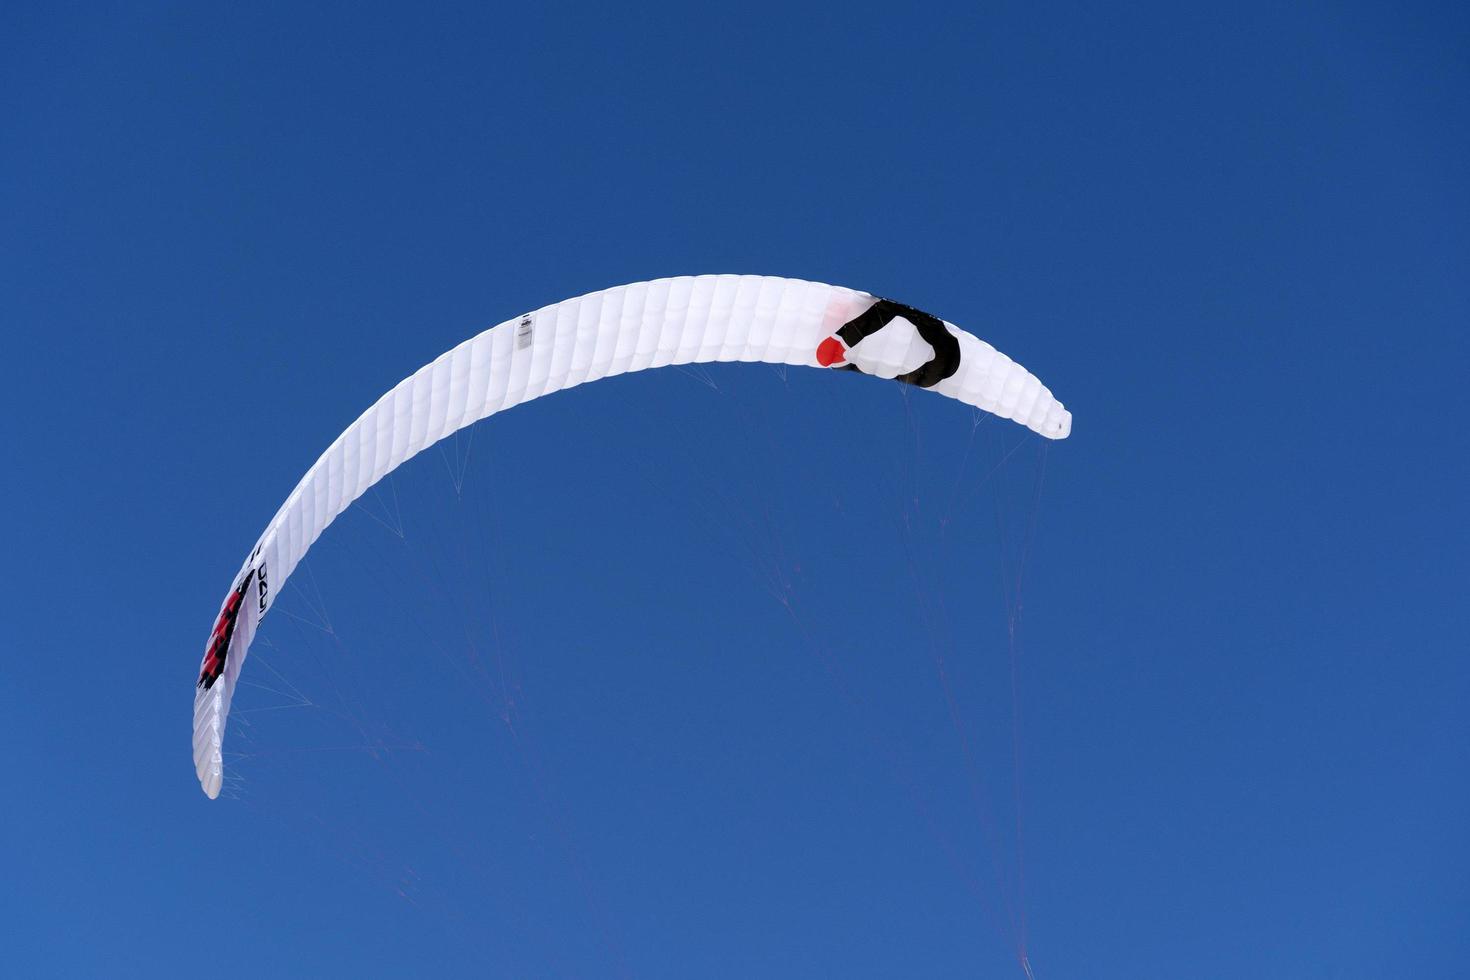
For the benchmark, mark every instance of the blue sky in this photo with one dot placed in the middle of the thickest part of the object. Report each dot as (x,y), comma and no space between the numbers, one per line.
(1233,241)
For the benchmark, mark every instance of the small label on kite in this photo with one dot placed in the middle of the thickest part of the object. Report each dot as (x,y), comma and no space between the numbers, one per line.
(523,332)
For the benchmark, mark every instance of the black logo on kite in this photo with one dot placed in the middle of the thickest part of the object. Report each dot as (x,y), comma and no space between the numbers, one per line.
(832,352)
(219,639)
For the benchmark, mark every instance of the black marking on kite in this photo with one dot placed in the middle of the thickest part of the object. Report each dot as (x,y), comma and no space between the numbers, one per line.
(946,346)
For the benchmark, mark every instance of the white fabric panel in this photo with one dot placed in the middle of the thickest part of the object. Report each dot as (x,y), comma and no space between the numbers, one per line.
(627,328)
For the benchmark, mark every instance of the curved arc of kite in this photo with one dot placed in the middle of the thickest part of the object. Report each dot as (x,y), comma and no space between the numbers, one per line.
(683,320)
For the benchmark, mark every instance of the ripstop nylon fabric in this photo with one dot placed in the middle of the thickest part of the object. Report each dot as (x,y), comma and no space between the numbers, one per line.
(681,320)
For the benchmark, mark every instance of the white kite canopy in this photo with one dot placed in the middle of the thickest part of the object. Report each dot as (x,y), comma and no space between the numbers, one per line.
(684,320)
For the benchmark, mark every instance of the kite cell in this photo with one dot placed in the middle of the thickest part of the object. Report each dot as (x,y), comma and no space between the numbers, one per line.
(684,320)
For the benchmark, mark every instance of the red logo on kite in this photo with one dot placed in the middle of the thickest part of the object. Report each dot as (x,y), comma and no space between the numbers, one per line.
(219,639)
